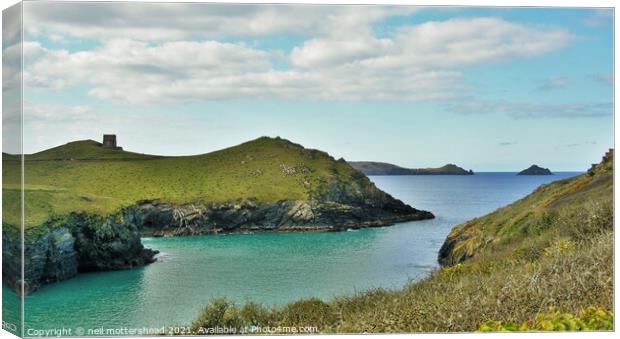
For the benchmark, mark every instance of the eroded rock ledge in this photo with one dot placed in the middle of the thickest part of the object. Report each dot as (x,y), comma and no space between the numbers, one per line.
(62,248)
(80,242)
(163,219)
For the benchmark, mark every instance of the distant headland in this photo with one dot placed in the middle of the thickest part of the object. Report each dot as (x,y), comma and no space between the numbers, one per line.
(382,168)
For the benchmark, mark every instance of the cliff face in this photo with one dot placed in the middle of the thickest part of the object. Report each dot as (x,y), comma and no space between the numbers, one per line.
(78,243)
(567,208)
(160,218)
(81,242)
(336,206)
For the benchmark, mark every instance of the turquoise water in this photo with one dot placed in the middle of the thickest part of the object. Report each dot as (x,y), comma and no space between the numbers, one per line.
(275,268)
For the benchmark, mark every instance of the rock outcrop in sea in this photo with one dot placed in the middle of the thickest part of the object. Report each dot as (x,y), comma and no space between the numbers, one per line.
(159,218)
(61,248)
(535,170)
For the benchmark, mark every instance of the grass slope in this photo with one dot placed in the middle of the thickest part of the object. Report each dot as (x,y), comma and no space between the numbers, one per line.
(533,216)
(83,176)
(544,262)
(86,150)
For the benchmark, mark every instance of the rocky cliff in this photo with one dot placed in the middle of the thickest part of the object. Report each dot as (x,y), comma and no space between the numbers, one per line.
(159,218)
(62,248)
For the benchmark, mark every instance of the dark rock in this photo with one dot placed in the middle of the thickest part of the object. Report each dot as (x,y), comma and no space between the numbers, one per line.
(535,170)
(78,243)
(446,256)
(108,244)
(153,218)
(382,168)
(336,205)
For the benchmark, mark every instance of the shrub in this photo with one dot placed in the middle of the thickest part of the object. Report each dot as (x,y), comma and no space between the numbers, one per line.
(219,313)
(254,314)
(308,312)
(583,222)
(451,270)
(589,319)
(559,247)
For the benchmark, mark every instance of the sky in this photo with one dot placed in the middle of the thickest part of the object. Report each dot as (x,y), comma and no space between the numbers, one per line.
(490,89)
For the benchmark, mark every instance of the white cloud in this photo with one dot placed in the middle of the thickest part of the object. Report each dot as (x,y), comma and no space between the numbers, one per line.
(554,82)
(11,25)
(598,17)
(533,110)
(11,68)
(136,72)
(133,71)
(175,21)
(11,50)
(40,114)
(451,43)
(329,51)
(343,60)
(604,79)
(57,38)
(576,144)
(507,143)
(41,121)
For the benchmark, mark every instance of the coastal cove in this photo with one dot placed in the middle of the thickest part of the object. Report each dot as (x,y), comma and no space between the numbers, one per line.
(275,268)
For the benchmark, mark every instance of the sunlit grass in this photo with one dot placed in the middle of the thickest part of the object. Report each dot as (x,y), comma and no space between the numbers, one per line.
(542,263)
(84,177)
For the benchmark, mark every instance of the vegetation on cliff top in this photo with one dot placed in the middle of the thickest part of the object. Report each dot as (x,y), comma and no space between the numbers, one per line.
(533,218)
(82,176)
(544,262)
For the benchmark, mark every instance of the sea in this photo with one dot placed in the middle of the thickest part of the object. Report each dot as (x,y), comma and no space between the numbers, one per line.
(272,268)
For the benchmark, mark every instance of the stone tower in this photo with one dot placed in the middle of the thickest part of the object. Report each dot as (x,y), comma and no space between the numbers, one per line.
(109,141)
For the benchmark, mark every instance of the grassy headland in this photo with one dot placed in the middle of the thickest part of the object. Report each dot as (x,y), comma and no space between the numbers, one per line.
(82,176)
(544,262)
(382,168)
(87,205)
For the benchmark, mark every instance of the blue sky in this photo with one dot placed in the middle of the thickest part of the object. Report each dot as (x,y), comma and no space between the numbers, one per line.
(486,88)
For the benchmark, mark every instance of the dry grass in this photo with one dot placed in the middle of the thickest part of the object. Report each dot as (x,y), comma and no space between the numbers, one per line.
(525,266)
(454,299)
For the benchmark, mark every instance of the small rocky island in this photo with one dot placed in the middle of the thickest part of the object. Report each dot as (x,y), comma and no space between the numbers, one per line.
(91,218)
(382,168)
(535,170)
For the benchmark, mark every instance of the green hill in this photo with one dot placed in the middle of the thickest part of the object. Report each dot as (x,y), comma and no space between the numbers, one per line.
(85,201)
(542,263)
(86,150)
(83,176)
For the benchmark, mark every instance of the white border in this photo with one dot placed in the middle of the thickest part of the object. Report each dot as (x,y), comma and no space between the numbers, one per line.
(480,3)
